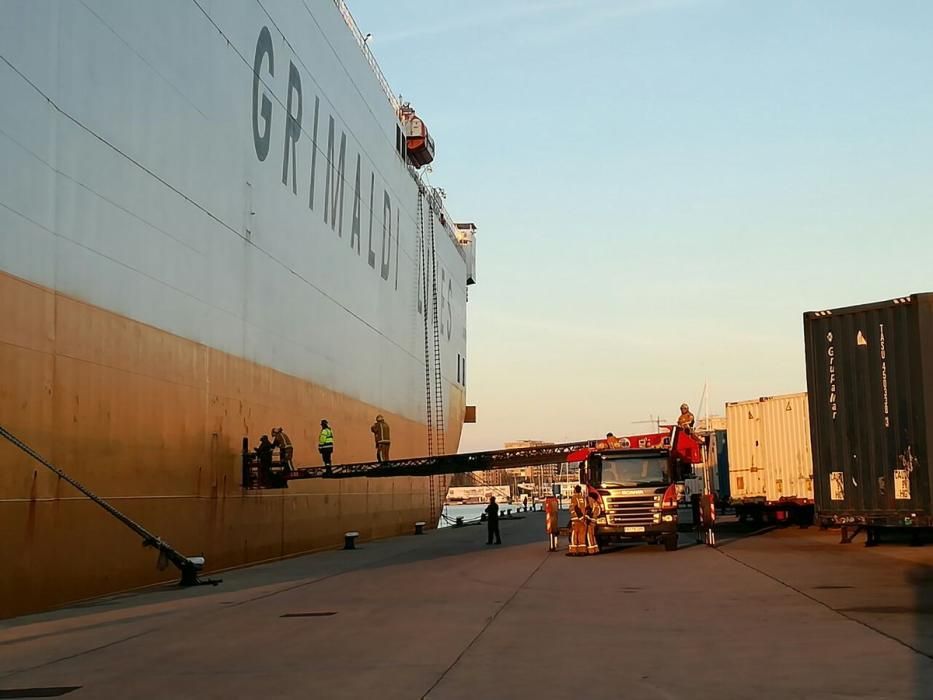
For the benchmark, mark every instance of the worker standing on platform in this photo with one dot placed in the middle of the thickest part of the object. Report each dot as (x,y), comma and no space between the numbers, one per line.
(280,440)
(613,442)
(264,452)
(492,521)
(593,511)
(577,523)
(380,430)
(325,444)
(686,419)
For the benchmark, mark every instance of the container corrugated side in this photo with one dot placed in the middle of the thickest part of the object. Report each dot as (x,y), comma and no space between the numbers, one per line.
(769,449)
(870,379)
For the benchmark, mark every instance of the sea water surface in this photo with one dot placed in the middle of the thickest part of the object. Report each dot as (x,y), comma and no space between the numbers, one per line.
(472,512)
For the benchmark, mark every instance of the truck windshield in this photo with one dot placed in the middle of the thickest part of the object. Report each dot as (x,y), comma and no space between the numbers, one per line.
(626,471)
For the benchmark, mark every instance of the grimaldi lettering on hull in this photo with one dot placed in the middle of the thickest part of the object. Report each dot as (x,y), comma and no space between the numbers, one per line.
(329,200)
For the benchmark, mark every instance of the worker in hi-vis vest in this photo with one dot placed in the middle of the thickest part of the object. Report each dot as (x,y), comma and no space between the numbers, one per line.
(577,523)
(325,444)
(593,511)
(380,430)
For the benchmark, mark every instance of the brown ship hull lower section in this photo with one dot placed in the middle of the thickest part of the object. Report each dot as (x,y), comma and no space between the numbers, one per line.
(154,422)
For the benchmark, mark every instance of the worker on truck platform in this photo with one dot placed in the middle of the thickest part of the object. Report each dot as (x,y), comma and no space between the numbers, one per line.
(685,420)
(613,442)
(593,511)
(577,523)
(280,440)
(325,444)
(380,430)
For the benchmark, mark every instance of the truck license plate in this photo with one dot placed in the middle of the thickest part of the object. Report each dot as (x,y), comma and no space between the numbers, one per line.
(634,528)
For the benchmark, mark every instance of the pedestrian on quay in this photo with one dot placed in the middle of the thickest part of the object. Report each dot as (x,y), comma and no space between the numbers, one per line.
(380,431)
(525,503)
(492,521)
(325,444)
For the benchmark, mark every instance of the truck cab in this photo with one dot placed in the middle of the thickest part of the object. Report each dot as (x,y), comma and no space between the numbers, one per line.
(638,489)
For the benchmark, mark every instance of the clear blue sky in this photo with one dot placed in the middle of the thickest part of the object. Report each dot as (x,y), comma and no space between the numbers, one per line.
(662,187)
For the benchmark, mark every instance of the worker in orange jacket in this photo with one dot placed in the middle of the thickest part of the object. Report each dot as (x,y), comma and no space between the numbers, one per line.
(280,440)
(593,511)
(380,431)
(577,523)
(685,420)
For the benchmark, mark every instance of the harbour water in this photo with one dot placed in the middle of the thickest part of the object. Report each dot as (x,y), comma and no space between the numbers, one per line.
(472,512)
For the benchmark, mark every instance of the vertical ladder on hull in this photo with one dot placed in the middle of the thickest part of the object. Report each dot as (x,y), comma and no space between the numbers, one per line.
(438,379)
(438,376)
(429,414)
(423,281)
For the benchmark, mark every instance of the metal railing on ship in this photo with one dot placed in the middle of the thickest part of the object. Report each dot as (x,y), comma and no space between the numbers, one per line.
(364,47)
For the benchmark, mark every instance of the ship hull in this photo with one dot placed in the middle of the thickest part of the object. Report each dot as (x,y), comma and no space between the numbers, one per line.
(181,267)
(153,423)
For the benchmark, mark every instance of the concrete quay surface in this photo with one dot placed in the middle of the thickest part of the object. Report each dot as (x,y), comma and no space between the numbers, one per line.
(784,614)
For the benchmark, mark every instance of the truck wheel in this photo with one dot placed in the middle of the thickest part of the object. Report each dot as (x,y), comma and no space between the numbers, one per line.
(670,543)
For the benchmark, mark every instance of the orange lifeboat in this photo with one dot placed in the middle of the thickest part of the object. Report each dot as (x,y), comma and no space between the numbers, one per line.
(419,143)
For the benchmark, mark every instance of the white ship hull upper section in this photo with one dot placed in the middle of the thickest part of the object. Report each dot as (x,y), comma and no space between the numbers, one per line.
(151,168)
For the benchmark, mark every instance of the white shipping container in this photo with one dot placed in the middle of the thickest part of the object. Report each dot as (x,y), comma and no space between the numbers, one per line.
(769,449)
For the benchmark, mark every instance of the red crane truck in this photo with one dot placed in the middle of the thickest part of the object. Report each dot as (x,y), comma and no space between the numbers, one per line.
(636,478)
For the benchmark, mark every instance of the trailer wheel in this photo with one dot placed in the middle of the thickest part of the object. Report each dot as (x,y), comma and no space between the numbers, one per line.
(670,543)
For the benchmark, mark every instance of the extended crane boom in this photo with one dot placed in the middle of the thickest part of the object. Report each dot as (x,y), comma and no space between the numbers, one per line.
(415,466)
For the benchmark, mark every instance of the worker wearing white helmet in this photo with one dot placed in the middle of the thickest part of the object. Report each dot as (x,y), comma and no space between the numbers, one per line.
(686,419)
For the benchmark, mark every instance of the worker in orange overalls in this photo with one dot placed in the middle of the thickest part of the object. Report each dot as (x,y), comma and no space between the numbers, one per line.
(613,442)
(577,523)
(685,420)
(593,511)
(280,440)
